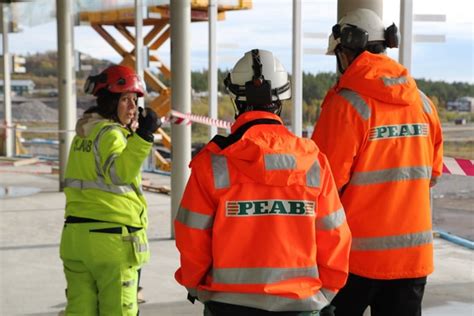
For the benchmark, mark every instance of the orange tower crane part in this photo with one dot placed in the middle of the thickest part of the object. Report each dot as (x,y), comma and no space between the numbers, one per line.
(158,18)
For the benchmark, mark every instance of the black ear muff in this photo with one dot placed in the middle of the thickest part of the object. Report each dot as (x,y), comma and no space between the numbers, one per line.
(354,38)
(392,38)
(102,78)
(90,84)
(336,31)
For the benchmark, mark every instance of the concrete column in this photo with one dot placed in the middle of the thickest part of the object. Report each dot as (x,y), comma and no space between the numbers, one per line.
(66,82)
(297,75)
(180,22)
(7,92)
(212,69)
(344,6)
(406,32)
(139,43)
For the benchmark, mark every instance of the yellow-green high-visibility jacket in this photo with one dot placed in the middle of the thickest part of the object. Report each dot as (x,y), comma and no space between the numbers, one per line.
(103,174)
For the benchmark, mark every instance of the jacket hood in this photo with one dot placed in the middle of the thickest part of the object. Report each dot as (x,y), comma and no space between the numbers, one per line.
(380,77)
(269,154)
(87,122)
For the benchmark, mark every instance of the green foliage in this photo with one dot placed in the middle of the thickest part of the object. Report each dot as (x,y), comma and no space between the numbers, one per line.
(444,91)
(459,149)
(315,86)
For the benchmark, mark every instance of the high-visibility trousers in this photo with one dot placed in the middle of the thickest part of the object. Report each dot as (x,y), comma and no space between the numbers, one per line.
(100,264)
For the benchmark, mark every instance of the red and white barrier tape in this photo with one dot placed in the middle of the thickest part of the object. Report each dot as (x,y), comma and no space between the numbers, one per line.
(455,166)
(464,167)
(187,118)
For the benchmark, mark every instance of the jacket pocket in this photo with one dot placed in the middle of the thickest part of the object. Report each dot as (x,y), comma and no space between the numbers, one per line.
(139,242)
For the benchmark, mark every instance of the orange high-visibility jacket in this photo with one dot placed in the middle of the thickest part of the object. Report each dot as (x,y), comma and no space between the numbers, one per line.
(260,223)
(383,140)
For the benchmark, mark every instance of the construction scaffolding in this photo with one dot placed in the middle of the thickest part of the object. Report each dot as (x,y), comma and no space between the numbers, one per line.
(157,16)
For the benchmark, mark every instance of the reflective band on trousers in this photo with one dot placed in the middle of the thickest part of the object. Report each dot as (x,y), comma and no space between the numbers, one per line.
(194,219)
(331,221)
(389,175)
(134,239)
(394,81)
(279,161)
(426,102)
(220,171)
(313,175)
(261,275)
(267,302)
(357,102)
(392,242)
(99,185)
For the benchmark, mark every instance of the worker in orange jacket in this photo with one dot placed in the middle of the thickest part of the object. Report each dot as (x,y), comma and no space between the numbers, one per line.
(260,228)
(383,140)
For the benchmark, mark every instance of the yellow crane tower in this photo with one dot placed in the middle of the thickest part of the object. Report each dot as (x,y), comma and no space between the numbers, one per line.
(158,16)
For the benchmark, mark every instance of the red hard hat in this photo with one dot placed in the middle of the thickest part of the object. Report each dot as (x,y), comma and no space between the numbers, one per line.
(116,79)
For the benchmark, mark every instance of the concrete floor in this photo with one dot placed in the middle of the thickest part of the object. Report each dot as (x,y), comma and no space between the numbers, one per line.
(32,281)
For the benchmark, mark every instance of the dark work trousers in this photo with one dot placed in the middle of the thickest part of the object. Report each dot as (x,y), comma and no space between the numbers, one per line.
(401,297)
(222,309)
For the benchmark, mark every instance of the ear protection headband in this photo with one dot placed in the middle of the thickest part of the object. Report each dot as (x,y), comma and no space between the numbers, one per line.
(258,91)
(356,39)
(351,36)
(392,38)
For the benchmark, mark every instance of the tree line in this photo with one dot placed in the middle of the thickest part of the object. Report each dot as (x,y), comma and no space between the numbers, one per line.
(315,86)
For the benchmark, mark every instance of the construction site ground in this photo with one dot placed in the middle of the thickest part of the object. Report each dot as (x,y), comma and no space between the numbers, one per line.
(32,280)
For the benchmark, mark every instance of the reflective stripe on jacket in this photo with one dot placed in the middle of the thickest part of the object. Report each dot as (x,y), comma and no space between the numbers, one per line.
(383,140)
(260,222)
(103,175)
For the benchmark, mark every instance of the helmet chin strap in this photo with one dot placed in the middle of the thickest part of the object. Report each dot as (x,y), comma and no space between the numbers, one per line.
(339,63)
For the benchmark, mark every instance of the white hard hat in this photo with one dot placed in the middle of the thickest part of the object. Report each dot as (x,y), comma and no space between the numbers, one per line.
(364,19)
(260,77)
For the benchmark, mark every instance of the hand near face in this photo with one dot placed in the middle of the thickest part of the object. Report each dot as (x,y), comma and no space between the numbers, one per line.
(134,122)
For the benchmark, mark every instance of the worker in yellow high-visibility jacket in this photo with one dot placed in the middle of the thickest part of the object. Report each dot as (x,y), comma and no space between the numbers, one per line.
(104,242)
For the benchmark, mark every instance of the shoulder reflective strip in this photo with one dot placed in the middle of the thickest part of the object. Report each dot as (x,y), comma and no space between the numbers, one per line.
(392,242)
(390,175)
(109,161)
(393,81)
(220,171)
(274,303)
(113,174)
(261,275)
(328,294)
(313,175)
(194,219)
(82,184)
(98,167)
(279,161)
(357,102)
(331,221)
(426,102)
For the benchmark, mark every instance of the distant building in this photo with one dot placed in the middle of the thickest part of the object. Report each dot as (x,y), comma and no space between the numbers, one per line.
(464,104)
(20,87)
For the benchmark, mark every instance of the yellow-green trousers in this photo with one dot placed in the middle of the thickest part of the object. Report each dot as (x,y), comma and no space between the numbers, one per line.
(100,263)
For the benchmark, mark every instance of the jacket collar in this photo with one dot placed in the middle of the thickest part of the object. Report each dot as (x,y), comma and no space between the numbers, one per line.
(251,116)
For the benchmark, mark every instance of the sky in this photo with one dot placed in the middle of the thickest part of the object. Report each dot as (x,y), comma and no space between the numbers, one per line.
(268,25)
